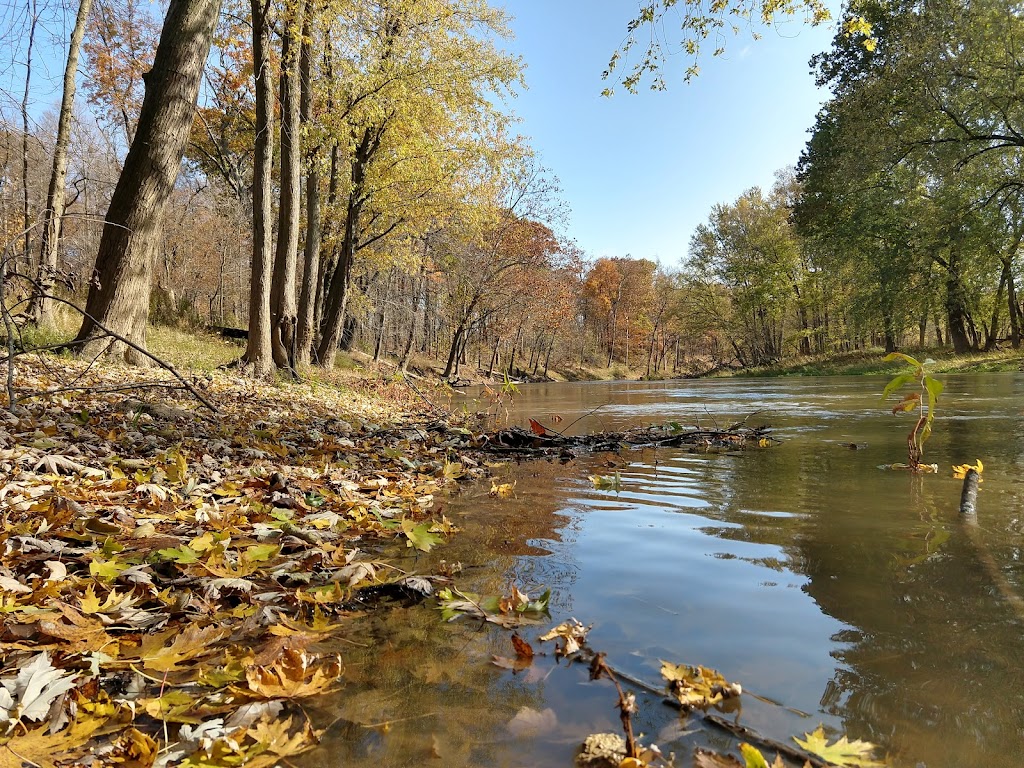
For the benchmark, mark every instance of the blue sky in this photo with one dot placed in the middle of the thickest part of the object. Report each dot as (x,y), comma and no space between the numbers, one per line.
(640,172)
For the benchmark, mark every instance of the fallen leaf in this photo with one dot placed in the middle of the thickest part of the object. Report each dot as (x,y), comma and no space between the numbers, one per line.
(523,649)
(850,754)
(34,689)
(572,633)
(292,676)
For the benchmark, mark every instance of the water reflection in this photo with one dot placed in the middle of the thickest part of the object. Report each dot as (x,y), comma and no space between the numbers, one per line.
(816,579)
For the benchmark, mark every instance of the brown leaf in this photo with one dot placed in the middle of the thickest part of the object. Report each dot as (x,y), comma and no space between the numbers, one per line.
(705,759)
(516,665)
(523,649)
(186,644)
(537,428)
(292,676)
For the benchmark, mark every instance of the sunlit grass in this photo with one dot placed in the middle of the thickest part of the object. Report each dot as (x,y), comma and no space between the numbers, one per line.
(191,349)
(871,363)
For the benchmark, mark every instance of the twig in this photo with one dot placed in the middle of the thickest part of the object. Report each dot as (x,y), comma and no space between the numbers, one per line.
(165,365)
(97,390)
(585,415)
(9,330)
(414,388)
(114,335)
(626,704)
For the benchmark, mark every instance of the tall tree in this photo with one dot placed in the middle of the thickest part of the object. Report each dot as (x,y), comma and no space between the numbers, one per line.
(119,290)
(283,307)
(258,353)
(42,305)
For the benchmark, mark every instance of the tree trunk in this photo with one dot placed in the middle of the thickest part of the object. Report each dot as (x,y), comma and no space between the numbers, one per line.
(337,294)
(26,209)
(992,332)
(1013,309)
(311,251)
(416,293)
(328,255)
(42,308)
(547,355)
(119,290)
(258,351)
(283,306)
(958,318)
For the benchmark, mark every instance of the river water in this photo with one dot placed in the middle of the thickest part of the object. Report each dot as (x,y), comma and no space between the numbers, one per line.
(836,592)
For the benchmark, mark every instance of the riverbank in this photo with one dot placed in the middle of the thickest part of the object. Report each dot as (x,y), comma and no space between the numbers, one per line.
(173,559)
(872,362)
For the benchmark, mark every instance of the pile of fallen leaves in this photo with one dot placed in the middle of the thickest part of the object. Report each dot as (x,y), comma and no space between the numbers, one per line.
(167,571)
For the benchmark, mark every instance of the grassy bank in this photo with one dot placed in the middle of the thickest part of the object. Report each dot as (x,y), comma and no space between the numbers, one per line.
(871,362)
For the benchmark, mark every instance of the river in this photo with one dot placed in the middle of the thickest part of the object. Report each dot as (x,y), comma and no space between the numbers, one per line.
(836,592)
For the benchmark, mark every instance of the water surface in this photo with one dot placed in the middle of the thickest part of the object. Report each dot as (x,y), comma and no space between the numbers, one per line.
(848,595)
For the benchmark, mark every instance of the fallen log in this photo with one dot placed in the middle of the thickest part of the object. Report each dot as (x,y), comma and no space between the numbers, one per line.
(547,442)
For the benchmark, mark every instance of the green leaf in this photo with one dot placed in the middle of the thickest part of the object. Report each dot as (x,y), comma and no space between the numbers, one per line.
(850,754)
(259,553)
(420,536)
(934,387)
(183,555)
(540,604)
(896,383)
(753,757)
(900,356)
(607,482)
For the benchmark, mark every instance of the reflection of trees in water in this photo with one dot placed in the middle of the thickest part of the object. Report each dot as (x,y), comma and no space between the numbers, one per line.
(433,682)
(930,664)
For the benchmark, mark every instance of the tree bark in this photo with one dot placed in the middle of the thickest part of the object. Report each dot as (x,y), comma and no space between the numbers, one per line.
(42,309)
(26,209)
(337,294)
(416,294)
(119,290)
(311,251)
(958,317)
(283,305)
(258,351)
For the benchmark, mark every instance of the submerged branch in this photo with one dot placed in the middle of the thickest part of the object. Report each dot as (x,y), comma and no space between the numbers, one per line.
(526,443)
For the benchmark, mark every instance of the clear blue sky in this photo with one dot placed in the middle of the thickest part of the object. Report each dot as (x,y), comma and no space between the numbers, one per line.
(640,172)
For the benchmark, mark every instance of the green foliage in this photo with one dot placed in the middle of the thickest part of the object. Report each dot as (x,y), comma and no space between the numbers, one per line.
(924,402)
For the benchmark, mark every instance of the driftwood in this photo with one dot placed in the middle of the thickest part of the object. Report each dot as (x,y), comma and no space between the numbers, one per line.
(519,441)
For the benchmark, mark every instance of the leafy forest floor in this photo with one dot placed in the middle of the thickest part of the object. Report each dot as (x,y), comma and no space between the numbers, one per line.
(167,571)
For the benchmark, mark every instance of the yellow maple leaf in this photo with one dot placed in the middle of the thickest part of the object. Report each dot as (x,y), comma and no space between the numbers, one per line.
(850,754)
(698,686)
(292,676)
(185,644)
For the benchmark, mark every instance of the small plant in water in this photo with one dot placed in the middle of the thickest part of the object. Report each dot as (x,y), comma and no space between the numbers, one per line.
(929,390)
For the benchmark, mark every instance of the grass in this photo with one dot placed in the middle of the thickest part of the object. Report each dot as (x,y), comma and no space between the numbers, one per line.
(871,363)
(191,349)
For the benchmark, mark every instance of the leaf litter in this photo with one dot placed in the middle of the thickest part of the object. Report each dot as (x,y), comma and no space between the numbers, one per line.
(164,571)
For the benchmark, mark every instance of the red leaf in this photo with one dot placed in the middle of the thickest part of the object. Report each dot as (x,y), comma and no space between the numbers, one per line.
(537,428)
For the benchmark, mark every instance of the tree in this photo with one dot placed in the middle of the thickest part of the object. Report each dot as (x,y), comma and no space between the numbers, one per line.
(119,45)
(119,290)
(41,310)
(258,353)
(698,21)
(417,117)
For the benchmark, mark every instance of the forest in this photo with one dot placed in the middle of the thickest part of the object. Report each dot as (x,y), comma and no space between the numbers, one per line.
(351,179)
(191,565)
